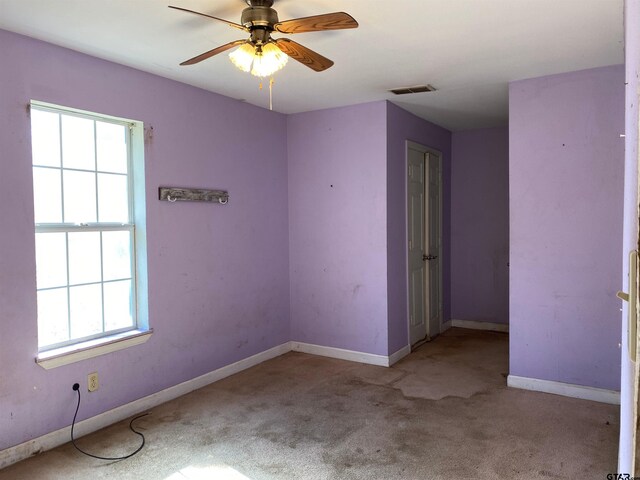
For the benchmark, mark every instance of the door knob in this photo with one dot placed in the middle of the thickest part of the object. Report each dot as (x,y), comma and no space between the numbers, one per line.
(429,257)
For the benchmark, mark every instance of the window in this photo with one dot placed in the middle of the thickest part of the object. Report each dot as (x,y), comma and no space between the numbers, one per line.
(85,229)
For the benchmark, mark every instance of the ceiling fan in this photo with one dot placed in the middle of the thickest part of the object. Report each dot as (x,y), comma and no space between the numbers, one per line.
(263,55)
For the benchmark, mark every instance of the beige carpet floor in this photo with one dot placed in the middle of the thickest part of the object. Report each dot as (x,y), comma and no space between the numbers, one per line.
(444,412)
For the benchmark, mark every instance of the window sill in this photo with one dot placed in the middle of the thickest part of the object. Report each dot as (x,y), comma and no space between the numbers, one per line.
(93,348)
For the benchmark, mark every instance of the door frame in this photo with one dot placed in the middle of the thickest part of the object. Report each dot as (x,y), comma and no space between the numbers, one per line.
(424,149)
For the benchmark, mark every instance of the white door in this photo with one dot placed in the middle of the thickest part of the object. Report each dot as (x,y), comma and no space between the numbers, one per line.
(434,256)
(424,204)
(417,245)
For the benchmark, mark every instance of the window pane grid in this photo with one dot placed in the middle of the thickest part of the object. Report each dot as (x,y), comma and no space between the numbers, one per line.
(69,285)
(84,317)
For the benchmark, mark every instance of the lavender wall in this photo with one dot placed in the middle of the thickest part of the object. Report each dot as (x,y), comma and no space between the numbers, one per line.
(347,220)
(218,276)
(312,246)
(337,221)
(566,184)
(403,126)
(480,225)
(630,235)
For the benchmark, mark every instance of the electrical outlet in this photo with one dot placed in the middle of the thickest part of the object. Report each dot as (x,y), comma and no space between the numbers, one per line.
(92,382)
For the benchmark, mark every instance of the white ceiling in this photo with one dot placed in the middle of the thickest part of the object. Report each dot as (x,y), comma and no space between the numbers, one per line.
(468,49)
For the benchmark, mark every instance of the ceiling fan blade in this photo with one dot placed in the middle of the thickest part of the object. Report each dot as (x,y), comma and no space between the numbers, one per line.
(231,24)
(317,23)
(307,57)
(211,53)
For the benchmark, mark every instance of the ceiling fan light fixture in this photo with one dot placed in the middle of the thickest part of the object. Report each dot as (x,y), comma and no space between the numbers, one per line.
(261,61)
(260,54)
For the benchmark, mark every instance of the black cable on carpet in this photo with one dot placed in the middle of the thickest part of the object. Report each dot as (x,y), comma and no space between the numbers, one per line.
(76,387)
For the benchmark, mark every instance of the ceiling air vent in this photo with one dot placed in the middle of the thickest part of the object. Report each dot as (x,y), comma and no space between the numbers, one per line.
(416,89)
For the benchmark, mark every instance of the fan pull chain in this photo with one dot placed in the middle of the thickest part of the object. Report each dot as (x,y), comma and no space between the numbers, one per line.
(271,94)
(271,82)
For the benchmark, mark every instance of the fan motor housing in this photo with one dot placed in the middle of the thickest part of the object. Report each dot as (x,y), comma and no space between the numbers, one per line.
(260,3)
(259,17)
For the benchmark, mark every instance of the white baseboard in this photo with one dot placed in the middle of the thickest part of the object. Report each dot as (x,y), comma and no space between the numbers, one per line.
(351,355)
(446,326)
(565,389)
(399,355)
(51,440)
(476,325)
(341,354)
(59,437)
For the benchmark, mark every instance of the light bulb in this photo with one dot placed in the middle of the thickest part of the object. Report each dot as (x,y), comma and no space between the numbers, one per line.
(242,57)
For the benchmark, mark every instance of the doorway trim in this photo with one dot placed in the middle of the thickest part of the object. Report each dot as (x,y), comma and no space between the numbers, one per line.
(438,154)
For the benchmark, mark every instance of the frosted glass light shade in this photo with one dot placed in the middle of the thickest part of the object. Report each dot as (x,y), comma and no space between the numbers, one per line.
(242,57)
(270,61)
(261,62)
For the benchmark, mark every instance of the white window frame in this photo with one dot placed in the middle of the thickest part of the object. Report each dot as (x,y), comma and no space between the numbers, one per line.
(73,350)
